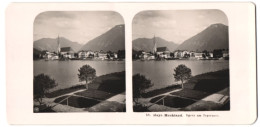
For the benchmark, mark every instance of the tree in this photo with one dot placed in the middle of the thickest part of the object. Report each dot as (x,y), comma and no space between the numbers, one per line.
(205,54)
(182,73)
(86,73)
(76,55)
(41,85)
(140,84)
(121,54)
(217,53)
(172,54)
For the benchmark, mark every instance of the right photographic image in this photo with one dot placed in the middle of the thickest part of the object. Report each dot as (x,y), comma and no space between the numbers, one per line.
(180,61)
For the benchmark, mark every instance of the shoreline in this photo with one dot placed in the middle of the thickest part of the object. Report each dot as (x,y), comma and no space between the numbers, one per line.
(81,86)
(177,85)
(204,92)
(106,93)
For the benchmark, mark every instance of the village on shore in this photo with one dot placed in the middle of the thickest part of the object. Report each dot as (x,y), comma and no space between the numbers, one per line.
(68,53)
(163,53)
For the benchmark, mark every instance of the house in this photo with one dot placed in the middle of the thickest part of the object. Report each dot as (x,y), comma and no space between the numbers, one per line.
(85,54)
(115,55)
(82,54)
(211,54)
(144,55)
(175,54)
(163,52)
(50,56)
(147,56)
(102,55)
(55,57)
(225,53)
(198,55)
(178,54)
(151,57)
(186,53)
(67,52)
(192,54)
(95,54)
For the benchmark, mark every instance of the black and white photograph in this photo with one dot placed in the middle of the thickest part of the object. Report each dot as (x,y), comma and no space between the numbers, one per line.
(79,62)
(125,63)
(180,61)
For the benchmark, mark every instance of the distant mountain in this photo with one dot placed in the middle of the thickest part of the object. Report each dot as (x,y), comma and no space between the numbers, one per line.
(147,44)
(213,37)
(51,44)
(112,40)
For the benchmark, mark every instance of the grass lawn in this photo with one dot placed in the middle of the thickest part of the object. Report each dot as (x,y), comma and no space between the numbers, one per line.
(78,102)
(192,94)
(108,106)
(65,91)
(105,86)
(210,82)
(111,83)
(171,101)
(206,106)
(197,88)
(96,94)
(224,92)
(160,91)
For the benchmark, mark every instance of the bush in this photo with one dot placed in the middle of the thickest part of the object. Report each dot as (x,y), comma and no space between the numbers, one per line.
(140,84)
(41,85)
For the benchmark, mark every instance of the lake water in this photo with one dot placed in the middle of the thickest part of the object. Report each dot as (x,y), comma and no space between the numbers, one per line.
(161,72)
(65,72)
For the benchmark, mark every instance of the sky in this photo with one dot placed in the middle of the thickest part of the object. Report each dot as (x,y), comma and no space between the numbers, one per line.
(177,25)
(76,26)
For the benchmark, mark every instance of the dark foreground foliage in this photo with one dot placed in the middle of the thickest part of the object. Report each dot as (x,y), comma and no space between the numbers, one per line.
(209,82)
(140,108)
(41,85)
(111,83)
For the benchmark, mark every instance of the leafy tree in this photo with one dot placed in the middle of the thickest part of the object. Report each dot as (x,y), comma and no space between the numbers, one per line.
(41,85)
(217,53)
(172,54)
(86,73)
(182,73)
(76,55)
(186,55)
(140,84)
(121,54)
(205,54)
(91,55)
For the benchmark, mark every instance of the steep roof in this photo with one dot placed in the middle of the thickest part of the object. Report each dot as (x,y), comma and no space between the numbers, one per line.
(162,49)
(66,49)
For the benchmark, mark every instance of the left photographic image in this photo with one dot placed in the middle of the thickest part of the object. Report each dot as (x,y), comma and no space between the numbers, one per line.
(79,62)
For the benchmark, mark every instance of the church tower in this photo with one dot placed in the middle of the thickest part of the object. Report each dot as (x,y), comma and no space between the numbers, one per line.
(58,41)
(155,45)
